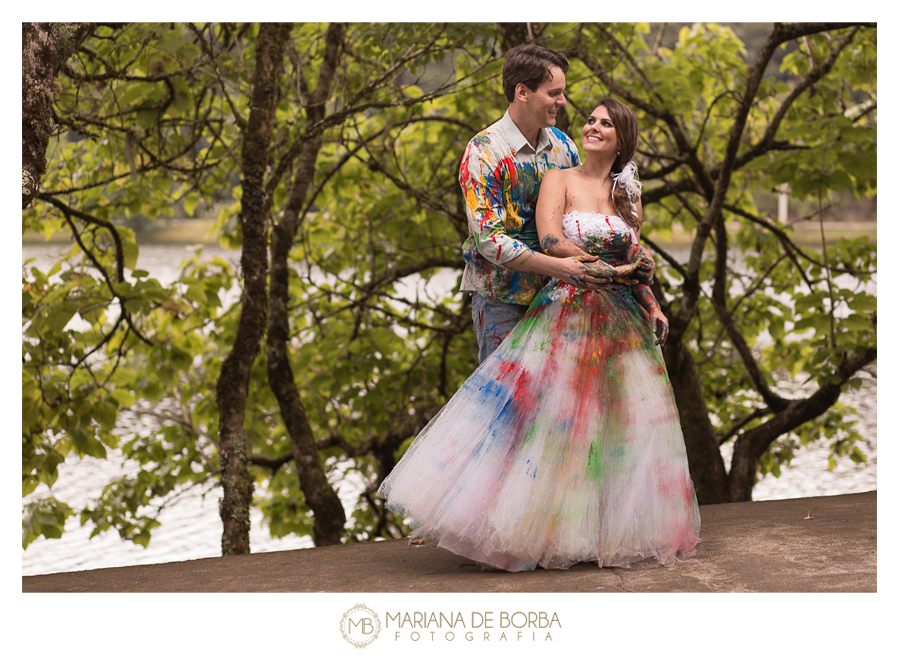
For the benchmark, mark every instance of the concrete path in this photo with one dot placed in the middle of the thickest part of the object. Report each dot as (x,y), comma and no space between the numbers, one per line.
(823,544)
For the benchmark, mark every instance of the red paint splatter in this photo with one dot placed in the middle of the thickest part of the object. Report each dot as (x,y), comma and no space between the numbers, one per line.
(464,168)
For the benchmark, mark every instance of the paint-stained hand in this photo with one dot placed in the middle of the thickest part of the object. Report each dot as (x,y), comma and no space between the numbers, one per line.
(590,272)
(645,265)
(624,274)
(660,326)
(598,273)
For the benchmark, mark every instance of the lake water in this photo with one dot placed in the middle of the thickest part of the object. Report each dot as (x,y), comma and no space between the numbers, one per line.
(191,527)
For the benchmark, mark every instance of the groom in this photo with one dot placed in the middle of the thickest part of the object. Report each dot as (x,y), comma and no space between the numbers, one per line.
(500,175)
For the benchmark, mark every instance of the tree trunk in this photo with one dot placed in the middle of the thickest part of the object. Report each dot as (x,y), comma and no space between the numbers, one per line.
(704,459)
(320,496)
(45,48)
(234,379)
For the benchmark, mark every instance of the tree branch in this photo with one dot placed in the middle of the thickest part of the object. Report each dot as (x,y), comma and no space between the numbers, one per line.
(767,141)
(781,34)
(774,401)
(207,48)
(752,444)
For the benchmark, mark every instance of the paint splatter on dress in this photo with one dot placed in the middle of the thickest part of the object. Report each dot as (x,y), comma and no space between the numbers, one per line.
(564,446)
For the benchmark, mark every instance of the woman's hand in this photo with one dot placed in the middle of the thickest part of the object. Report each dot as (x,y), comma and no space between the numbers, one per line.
(660,325)
(624,274)
(607,273)
(645,266)
(585,271)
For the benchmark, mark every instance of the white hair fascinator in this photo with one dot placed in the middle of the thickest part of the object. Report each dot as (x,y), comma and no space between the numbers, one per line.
(627,179)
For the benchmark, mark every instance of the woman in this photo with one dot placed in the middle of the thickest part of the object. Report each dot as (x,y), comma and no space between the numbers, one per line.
(564,446)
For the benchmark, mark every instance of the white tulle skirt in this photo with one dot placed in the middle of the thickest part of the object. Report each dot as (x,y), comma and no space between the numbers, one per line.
(564,446)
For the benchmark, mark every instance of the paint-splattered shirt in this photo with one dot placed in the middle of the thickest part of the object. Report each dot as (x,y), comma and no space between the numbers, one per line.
(500,177)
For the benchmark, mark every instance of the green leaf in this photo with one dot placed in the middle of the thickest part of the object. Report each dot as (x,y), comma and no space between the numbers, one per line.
(697,79)
(172,42)
(51,531)
(146,119)
(123,397)
(58,317)
(190,204)
(130,254)
(863,303)
(196,292)
(105,414)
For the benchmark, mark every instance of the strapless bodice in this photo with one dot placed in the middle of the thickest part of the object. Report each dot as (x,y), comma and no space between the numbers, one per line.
(599,234)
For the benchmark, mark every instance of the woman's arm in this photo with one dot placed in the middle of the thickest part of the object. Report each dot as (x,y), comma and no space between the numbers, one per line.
(647,300)
(548,216)
(574,266)
(658,320)
(646,266)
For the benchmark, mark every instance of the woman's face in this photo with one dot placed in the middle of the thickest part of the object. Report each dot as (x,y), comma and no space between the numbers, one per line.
(599,135)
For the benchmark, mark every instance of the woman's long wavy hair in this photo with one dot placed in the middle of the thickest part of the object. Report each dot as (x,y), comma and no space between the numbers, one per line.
(625,122)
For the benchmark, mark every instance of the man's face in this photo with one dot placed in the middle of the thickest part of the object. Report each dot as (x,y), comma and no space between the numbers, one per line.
(543,103)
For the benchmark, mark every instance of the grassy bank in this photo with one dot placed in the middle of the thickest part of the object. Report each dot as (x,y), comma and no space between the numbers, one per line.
(199,231)
(807,234)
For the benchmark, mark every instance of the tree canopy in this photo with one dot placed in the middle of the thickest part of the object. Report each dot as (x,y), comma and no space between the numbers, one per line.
(330,153)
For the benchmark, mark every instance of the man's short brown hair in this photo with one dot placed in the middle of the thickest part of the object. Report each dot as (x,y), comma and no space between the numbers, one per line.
(529,65)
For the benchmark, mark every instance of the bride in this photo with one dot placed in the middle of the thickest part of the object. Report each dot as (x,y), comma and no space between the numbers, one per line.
(564,445)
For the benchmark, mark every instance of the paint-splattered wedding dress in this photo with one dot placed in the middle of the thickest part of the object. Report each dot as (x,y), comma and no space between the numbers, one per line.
(564,446)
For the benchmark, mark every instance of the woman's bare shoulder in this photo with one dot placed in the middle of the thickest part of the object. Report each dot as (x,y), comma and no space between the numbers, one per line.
(559,176)
(562,173)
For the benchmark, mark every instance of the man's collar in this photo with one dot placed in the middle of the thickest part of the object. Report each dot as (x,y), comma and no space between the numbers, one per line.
(517,139)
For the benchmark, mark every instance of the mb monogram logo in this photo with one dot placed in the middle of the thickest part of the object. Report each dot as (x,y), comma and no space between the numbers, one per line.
(360,626)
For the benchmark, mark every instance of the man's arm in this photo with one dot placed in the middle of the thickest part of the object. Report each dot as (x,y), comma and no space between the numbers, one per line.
(486,214)
(485,206)
(580,271)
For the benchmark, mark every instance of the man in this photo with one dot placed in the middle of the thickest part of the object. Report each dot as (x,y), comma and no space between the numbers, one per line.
(500,175)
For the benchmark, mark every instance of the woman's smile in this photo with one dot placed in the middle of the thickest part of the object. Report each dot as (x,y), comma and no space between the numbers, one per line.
(599,131)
